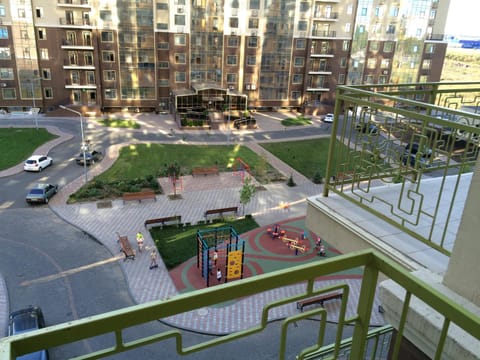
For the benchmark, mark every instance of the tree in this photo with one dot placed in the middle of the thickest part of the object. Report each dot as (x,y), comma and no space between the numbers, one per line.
(173,172)
(247,192)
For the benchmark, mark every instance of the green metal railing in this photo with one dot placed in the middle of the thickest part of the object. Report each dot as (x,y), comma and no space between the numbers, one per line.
(405,134)
(373,264)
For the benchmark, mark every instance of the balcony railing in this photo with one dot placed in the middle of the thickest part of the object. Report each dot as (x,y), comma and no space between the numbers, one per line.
(405,135)
(358,314)
(324,33)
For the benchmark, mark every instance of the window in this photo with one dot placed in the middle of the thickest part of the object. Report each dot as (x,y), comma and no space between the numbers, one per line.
(371,63)
(108,56)
(106,15)
(343,62)
(385,64)
(75,77)
(179,39)
(9,93)
(388,46)
(88,58)
(253,23)
(180,77)
(5,53)
(42,34)
(297,78)
(233,22)
(2,10)
(21,13)
(369,79)
(39,12)
(6,73)
(26,53)
(394,11)
(72,58)
(430,48)
(179,19)
(162,6)
(251,60)
(377,11)
(426,64)
(355,64)
(304,6)
(300,44)
(302,25)
(374,45)
(361,29)
(350,9)
(418,33)
(163,46)
(341,79)
(345,45)
(107,36)
(363,12)
(232,41)
(252,42)
(415,48)
(48,93)
(231,60)
(390,29)
(254,4)
(180,58)
(109,75)
(382,79)
(163,64)
(44,54)
(348,27)
(231,78)
(90,77)
(3,32)
(46,74)
(111,94)
(299,61)
(296,95)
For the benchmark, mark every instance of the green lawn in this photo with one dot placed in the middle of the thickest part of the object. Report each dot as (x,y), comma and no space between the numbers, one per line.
(17,144)
(300,120)
(177,245)
(119,123)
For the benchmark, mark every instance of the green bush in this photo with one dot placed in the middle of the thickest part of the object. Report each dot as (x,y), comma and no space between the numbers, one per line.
(317,177)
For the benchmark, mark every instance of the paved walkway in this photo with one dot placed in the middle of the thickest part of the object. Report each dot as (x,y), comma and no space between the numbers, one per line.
(148,285)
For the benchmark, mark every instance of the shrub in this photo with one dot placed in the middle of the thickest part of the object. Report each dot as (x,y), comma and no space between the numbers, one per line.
(290,181)
(317,177)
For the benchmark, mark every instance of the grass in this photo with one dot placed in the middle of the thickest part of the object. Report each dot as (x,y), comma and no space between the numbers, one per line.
(120,123)
(177,245)
(300,120)
(17,144)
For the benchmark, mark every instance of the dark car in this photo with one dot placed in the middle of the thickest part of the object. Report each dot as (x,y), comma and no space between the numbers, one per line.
(91,157)
(367,128)
(41,193)
(409,156)
(22,321)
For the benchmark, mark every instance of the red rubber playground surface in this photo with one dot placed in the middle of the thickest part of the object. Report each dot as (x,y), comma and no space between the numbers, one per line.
(262,254)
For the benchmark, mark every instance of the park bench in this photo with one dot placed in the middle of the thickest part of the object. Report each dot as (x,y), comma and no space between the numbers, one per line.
(233,209)
(347,175)
(318,299)
(211,170)
(125,247)
(139,196)
(175,219)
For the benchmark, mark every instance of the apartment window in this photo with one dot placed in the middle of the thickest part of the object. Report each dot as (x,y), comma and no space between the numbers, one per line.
(75,77)
(106,15)
(42,34)
(162,26)
(350,9)
(388,46)
(433,14)
(179,19)
(252,42)
(295,95)
(302,25)
(369,79)
(48,93)
(390,29)
(163,46)
(371,63)
(6,74)
(107,36)
(9,93)
(3,32)
(162,6)
(26,53)
(231,60)
(2,10)
(108,56)
(88,57)
(348,27)
(382,79)
(418,33)
(355,64)
(163,65)
(111,94)
(180,58)
(361,29)
(341,79)
(345,45)
(251,60)
(377,11)
(364,11)
(44,54)
(46,74)
(300,44)
(232,41)
(254,4)
(385,64)
(394,11)
(76,96)
(164,82)
(90,75)
(430,48)
(374,45)
(21,13)
(231,78)
(299,61)
(180,77)
(233,22)
(253,23)
(415,48)
(343,62)
(179,39)
(109,75)
(426,64)
(297,78)
(304,6)
(39,12)
(72,58)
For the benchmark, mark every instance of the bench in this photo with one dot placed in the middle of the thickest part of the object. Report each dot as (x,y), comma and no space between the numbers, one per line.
(342,176)
(318,299)
(233,209)
(212,170)
(139,196)
(176,219)
(126,248)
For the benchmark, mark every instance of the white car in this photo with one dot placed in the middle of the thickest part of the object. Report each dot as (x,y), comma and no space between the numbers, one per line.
(328,118)
(37,163)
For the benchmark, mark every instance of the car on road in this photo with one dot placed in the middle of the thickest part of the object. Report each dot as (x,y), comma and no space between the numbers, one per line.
(91,157)
(37,163)
(41,193)
(412,151)
(367,128)
(22,321)
(328,118)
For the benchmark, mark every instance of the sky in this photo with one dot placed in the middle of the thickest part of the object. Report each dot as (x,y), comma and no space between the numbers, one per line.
(462,19)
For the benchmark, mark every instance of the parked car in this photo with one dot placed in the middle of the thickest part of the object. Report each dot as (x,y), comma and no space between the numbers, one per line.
(367,128)
(41,193)
(37,163)
(409,155)
(91,157)
(22,321)
(328,118)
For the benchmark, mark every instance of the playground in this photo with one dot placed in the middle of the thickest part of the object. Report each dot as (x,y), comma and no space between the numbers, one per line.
(262,251)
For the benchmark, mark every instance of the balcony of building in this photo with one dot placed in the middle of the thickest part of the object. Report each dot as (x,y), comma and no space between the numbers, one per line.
(84,4)
(324,34)
(325,16)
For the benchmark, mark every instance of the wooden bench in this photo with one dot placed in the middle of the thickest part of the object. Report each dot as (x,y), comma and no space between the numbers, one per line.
(342,176)
(318,299)
(233,209)
(212,170)
(139,196)
(176,219)
(125,247)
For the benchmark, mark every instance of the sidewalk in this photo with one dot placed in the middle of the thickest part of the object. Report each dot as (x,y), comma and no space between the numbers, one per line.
(148,285)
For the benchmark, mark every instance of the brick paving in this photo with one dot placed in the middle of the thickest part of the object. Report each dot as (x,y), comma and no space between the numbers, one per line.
(198,195)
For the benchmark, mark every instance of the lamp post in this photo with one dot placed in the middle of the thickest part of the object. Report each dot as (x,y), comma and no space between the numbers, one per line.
(84,146)
(229,112)
(34,108)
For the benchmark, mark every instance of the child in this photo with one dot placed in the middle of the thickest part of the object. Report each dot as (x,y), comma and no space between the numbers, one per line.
(153,259)
(219,275)
(140,241)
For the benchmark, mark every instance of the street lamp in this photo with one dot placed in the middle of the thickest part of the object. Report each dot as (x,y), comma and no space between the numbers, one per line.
(84,145)
(34,109)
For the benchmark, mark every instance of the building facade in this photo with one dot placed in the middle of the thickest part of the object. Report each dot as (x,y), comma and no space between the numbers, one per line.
(137,54)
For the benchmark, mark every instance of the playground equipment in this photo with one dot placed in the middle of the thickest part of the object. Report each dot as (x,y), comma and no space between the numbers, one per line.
(295,244)
(276,232)
(228,248)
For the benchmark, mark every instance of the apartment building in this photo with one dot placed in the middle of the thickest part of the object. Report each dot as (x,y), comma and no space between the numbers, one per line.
(165,54)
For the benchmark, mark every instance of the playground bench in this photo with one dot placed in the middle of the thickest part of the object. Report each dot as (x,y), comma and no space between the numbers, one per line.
(233,209)
(175,219)
(318,299)
(139,196)
(212,170)
(126,248)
